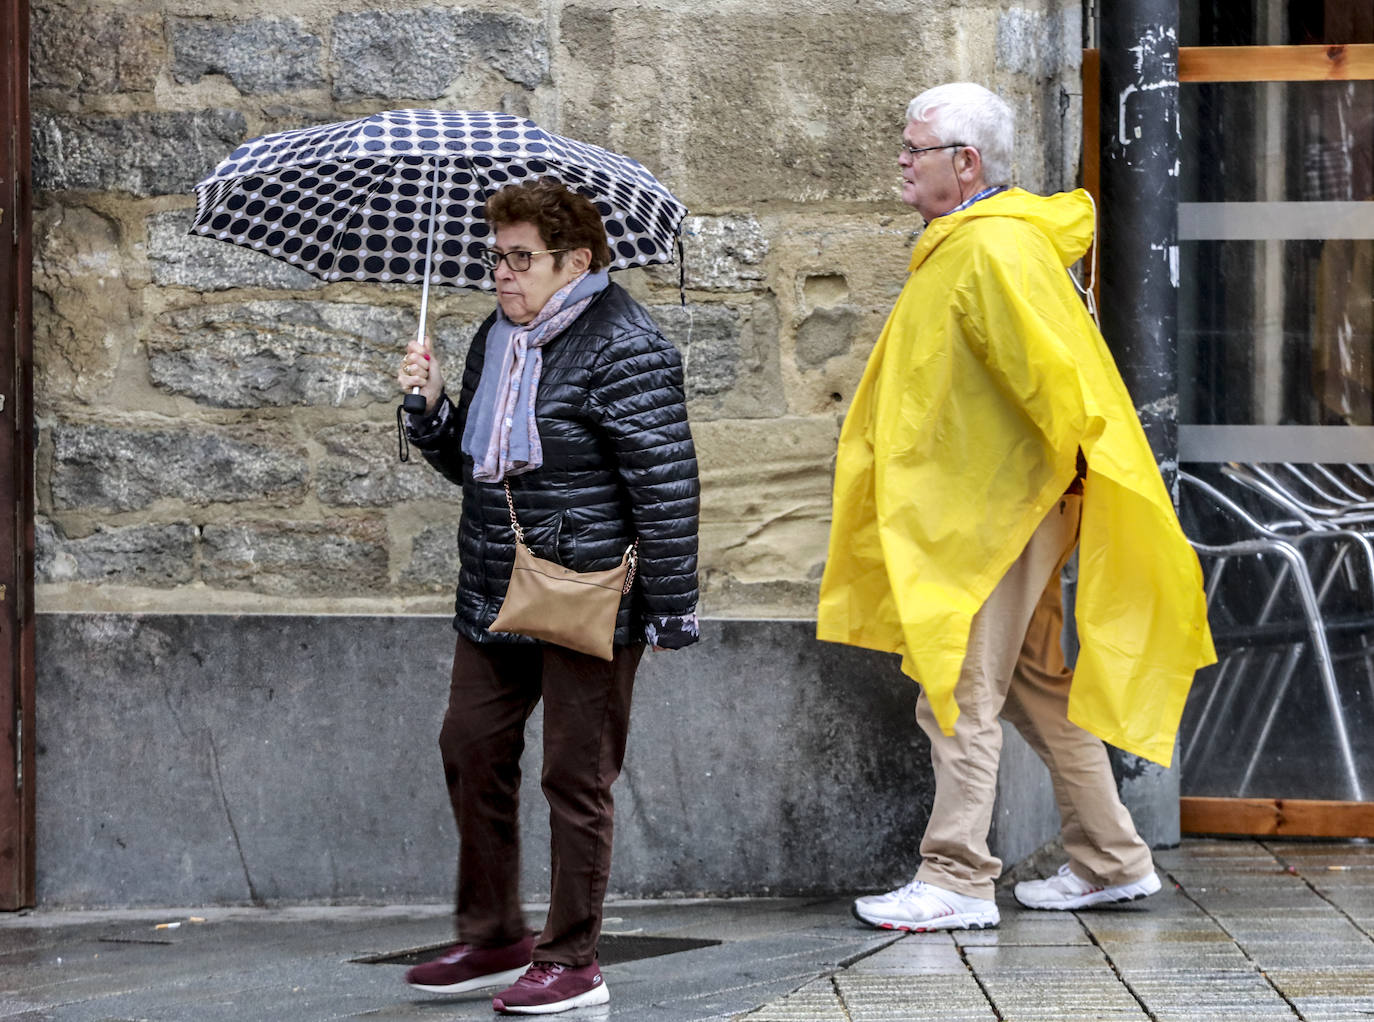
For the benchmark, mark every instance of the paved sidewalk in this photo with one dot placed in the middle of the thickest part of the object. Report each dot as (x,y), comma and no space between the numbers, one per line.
(1245,931)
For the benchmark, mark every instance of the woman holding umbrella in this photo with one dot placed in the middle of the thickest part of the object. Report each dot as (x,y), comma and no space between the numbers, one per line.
(573,399)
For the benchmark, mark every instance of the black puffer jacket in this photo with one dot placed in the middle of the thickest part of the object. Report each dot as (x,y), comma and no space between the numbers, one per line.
(618,464)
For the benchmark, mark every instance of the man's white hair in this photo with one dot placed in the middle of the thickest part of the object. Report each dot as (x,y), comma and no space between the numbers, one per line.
(968,113)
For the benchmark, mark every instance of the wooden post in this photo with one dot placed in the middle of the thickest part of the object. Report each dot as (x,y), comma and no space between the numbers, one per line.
(17,848)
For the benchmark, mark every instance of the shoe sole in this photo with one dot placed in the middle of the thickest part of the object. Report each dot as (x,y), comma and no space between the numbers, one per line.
(495,979)
(957,921)
(598,994)
(1109,896)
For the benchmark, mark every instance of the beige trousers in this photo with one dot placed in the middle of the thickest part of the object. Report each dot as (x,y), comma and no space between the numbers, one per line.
(1015,669)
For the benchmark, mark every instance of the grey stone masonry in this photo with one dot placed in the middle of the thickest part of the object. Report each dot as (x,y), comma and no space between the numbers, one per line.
(93,48)
(825,333)
(1036,43)
(451,336)
(360,468)
(433,565)
(719,253)
(163,153)
(179,259)
(148,555)
(279,353)
(257,55)
(417,54)
(339,556)
(730,357)
(125,468)
(708,337)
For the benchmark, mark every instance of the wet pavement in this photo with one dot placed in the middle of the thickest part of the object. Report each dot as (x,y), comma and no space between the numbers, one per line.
(1245,931)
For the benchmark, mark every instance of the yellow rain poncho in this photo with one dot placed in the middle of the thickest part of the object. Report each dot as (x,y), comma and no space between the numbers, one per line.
(986,381)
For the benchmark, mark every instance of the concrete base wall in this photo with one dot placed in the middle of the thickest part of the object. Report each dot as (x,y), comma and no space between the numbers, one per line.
(199,759)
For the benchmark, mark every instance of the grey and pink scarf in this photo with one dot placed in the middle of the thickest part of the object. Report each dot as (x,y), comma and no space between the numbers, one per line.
(501,435)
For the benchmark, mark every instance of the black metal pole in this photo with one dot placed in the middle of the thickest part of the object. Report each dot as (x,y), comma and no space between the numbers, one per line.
(1138,253)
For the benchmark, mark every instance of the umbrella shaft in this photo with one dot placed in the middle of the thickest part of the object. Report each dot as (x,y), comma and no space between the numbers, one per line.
(429,252)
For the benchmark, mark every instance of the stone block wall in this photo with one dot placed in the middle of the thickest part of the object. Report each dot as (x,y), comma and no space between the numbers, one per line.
(223,520)
(216,429)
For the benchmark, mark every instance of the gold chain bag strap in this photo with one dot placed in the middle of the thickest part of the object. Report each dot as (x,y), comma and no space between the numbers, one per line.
(547,601)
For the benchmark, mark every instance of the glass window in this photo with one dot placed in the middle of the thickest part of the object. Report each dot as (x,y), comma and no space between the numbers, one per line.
(1264,724)
(1290,339)
(1276,254)
(1276,141)
(1273,718)
(1274,22)
(1276,376)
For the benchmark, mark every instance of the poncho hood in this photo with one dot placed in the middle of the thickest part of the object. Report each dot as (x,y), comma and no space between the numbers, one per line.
(1066,219)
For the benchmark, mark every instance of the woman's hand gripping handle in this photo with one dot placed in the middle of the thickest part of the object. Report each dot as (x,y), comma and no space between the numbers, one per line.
(421,378)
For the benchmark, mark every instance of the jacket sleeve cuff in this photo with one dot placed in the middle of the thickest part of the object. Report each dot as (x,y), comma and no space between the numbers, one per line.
(424,430)
(672,632)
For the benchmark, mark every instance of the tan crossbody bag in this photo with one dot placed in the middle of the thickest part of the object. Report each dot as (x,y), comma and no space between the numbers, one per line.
(547,601)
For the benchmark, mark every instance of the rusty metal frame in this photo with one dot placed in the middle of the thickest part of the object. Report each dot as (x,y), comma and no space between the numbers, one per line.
(17,660)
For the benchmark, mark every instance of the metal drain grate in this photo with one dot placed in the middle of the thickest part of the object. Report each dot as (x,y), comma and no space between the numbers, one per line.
(612,949)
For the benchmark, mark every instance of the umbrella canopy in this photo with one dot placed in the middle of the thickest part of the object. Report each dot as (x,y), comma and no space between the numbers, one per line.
(370,199)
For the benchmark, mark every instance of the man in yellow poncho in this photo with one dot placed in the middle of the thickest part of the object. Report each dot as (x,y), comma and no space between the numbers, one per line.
(990,435)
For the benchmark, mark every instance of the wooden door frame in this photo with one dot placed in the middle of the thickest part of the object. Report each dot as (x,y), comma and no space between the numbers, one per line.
(1275,817)
(17,661)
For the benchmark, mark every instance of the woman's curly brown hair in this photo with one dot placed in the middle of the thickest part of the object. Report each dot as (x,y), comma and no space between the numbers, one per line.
(563,218)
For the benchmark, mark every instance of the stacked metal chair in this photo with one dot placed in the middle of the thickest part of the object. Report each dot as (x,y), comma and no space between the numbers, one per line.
(1288,556)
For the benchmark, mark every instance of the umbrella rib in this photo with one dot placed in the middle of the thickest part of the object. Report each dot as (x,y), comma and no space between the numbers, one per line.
(477,176)
(355,220)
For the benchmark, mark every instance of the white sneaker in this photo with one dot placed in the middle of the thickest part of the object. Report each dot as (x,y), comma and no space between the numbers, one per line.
(1066,890)
(920,906)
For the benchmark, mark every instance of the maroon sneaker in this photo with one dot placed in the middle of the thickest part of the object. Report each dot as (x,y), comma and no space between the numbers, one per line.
(464,967)
(547,987)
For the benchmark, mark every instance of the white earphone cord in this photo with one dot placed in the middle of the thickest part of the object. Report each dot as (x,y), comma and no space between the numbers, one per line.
(1087,292)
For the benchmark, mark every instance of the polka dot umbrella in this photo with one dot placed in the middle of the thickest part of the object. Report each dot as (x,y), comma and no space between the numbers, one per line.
(397,197)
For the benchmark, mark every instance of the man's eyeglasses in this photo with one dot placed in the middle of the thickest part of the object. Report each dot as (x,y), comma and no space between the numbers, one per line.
(916,150)
(518,260)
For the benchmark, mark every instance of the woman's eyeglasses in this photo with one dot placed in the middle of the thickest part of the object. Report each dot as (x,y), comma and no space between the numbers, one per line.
(518,260)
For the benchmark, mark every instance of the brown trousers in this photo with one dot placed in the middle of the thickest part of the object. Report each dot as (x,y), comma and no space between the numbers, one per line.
(1015,669)
(494,690)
